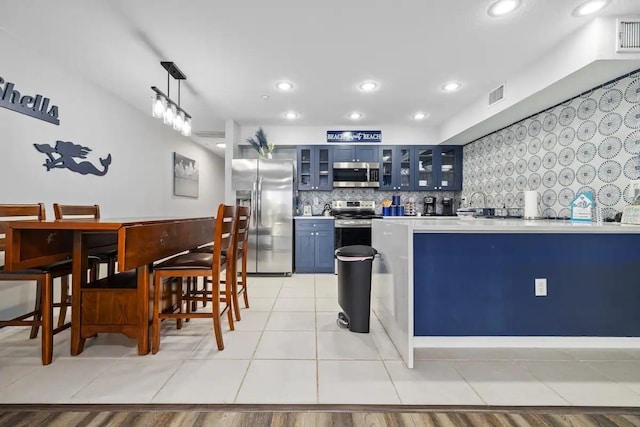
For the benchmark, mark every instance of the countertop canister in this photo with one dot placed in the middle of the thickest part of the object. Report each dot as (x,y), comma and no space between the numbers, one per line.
(531,205)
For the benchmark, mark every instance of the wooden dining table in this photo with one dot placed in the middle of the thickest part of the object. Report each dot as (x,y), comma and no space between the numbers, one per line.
(140,242)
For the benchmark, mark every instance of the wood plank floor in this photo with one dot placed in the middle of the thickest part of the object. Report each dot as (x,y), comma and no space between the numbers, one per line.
(158,415)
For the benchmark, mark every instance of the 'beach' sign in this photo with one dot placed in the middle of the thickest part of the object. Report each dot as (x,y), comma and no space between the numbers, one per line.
(354,136)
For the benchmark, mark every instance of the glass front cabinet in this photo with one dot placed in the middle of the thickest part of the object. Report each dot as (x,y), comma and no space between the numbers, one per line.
(438,168)
(396,168)
(315,168)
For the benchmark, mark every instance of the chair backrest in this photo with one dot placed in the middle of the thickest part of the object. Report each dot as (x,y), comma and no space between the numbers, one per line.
(72,211)
(224,233)
(17,213)
(243,216)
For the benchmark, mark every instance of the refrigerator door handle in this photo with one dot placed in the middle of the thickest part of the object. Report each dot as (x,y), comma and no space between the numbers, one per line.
(254,203)
(260,201)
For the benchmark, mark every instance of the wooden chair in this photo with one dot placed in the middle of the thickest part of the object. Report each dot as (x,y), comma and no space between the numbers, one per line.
(43,276)
(95,257)
(74,211)
(243,217)
(199,264)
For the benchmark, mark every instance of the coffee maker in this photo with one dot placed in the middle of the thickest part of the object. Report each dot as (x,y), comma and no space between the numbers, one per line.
(447,206)
(429,206)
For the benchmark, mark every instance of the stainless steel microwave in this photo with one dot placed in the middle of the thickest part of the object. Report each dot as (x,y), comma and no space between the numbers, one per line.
(360,174)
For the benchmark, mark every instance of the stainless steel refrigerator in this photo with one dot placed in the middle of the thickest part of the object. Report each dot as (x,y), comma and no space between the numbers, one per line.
(266,186)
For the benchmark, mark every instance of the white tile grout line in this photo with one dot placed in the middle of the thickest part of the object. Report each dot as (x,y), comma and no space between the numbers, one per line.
(315,320)
(235,398)
(455,368)
(523,366)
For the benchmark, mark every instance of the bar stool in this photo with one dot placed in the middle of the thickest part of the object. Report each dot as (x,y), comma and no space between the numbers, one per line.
(243,217)
(43,276)
(243,252)
(199,264)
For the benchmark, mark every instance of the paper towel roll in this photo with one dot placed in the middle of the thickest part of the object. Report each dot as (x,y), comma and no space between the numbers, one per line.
(531,210)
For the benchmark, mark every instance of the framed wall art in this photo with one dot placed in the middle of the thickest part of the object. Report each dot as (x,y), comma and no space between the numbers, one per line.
(185,176)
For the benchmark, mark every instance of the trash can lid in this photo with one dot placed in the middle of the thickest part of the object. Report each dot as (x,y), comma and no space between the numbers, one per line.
(356,251)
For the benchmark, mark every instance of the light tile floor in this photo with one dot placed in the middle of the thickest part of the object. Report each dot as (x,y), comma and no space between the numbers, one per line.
(289,349)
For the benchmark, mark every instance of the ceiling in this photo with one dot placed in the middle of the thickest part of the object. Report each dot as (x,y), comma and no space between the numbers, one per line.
(233,52)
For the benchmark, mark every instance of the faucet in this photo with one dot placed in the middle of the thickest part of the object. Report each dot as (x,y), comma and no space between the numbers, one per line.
(484,198)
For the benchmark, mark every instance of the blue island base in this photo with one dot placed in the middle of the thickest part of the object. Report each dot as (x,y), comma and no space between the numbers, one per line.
(483,284)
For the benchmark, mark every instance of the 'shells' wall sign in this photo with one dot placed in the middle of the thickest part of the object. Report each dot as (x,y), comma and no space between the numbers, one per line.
(62,156)
(35,106)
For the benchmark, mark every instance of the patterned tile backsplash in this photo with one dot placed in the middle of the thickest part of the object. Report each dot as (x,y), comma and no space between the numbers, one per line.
(588,143)
(352,194)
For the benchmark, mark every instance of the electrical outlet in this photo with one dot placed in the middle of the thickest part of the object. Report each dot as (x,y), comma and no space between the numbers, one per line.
(541,287)
(315,201)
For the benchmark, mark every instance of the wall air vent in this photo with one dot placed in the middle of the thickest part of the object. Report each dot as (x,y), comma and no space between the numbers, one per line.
(496,95)
(628,35)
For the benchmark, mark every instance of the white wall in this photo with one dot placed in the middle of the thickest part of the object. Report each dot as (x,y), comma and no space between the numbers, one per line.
(140,179)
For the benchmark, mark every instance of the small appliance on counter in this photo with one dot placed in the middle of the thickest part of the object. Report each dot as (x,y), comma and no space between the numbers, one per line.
(429,206)
(410,207)
(447,206)
(306,210)
(327,210)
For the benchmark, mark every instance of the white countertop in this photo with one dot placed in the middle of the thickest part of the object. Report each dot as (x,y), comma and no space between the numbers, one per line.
(484,225)
(422,218)
(313,217)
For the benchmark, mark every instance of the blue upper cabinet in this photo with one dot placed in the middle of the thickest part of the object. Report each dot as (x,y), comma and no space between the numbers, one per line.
(315,171)
(397,168)
(305,170)
(355,153)
(438,167)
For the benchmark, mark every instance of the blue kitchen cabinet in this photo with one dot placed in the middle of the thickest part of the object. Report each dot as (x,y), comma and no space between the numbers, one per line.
(324,250)
(397,168)
(438,167)
(355,153)
(315,168)
(314,245)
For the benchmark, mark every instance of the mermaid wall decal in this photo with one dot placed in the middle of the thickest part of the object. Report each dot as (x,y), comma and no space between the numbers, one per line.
(62,156)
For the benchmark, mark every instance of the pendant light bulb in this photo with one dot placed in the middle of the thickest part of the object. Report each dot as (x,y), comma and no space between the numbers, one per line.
(186,127)
(178,122)
(159,104)
(169,115)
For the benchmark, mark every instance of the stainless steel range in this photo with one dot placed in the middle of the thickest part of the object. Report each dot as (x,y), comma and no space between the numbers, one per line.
(353,222)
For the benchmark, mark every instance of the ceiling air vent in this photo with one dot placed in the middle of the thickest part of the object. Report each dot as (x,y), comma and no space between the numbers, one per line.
(496,95)
(210,134)
(628,35)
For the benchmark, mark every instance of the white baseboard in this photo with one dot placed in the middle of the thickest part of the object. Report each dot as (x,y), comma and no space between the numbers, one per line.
(543,342)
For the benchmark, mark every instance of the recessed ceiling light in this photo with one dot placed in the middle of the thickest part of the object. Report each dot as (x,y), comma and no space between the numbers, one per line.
(284,86)
(590,7)
(451,86)
(265,97)
(420,115)
(368,86)
(355,115)
(291,115)
(503,7)
(221,145)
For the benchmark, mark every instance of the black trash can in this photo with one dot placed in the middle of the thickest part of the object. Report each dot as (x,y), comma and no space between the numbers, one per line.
(354,286)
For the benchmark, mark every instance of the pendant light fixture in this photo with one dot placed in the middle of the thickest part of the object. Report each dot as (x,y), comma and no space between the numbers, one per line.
(163,107)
